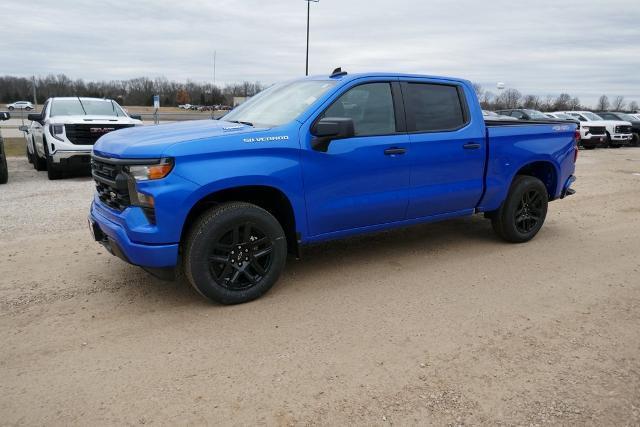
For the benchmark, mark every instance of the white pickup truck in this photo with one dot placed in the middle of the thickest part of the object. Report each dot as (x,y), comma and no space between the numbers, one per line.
(62,135)
(618,132)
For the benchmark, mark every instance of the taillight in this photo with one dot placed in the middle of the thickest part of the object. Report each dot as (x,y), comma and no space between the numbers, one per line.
(576,136)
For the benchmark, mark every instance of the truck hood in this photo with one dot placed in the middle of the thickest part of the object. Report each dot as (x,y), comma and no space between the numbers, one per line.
(64,120)
(153,141)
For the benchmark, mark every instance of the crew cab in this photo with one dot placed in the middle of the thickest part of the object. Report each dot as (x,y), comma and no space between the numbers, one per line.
(618,132)
(635,123)
(63,133)
(316,159)
(592,134)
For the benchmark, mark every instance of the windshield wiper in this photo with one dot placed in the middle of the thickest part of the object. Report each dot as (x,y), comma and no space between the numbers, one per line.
(241,122)
(85,111)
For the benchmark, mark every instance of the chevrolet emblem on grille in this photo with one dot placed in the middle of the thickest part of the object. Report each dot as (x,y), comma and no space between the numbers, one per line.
(101,130)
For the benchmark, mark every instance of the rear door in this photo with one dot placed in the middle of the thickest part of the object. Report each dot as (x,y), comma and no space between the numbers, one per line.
(364,180)
(448,148)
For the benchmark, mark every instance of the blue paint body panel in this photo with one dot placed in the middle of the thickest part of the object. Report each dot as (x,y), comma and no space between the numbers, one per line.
(352,188)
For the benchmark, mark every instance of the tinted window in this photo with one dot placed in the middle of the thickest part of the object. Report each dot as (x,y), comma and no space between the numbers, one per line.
(432,107)
(370,106)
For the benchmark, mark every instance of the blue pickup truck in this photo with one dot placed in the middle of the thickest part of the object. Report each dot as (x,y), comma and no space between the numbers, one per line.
(319,158)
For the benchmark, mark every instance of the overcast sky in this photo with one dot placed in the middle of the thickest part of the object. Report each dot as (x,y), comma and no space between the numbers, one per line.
(585,48)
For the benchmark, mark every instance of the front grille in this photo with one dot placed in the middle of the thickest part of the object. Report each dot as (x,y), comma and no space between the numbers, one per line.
(88,133)
(111,183)
(597,130)
(623,129)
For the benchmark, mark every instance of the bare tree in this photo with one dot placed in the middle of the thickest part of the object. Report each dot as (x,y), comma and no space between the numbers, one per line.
(603,103)
(574,104)
(486,101)
(510,98)
(478,89)
(531,101)
(618,103)
(548,103)
(562,102)
(633,106)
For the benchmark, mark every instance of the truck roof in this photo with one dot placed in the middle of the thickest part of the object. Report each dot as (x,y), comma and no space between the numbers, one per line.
(348,77)
(81,98)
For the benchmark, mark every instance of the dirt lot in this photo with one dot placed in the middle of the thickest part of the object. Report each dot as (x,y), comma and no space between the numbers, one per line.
(433,325)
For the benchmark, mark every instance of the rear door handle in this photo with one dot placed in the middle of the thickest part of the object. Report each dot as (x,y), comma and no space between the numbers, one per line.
(394,150)
(471,146)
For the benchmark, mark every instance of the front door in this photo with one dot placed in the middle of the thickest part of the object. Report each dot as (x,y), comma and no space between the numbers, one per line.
(364,180)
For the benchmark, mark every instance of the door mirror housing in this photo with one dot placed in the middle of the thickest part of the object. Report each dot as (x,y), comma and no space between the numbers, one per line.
(135,116)
(327,129)
(35,117)
(5,116)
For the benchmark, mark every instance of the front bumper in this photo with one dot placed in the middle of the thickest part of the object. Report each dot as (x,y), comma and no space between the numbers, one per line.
(624,138)
(72,156)
(115,239)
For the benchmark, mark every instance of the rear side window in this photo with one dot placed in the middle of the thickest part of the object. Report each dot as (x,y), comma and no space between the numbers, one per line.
(370,106)
(433,107)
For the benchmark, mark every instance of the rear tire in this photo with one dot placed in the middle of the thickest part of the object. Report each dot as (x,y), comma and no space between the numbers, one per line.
(635,141)
(610,144)
(11,108)
(4,169)
(523,212)
(234,253)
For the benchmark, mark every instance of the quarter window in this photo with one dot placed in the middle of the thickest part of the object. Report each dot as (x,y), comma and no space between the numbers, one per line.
(370,106)
(433,107)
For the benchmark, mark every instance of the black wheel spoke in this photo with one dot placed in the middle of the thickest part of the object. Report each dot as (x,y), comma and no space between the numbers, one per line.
(219,258)
(247,232)
(257,267)
(262,252)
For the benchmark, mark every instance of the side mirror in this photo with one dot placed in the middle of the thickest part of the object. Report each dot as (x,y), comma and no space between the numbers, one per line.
(135,116)
(327,129)
(5,116)
(34,117)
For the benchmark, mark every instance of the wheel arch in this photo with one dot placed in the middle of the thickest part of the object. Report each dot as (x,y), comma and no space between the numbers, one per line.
(545,171)
(269,198)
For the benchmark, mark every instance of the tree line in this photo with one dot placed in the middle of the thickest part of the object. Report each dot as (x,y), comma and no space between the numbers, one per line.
(137,91)
(140,91)
(512,98)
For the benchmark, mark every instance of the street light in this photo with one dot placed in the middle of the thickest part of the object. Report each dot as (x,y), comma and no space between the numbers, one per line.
(306,73)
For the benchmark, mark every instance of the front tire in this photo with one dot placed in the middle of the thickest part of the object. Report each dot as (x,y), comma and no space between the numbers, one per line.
(523,212)
(234,253)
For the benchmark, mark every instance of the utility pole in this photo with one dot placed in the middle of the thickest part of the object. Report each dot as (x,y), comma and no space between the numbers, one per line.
(306,73)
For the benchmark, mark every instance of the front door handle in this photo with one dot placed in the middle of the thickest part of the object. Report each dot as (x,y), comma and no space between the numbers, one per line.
(394,150)
(471,146)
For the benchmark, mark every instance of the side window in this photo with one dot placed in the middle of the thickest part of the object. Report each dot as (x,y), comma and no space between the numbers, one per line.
(517,114)
(433,107)
(370,106)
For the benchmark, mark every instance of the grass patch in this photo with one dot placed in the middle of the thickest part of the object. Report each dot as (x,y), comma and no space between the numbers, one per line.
(14,146)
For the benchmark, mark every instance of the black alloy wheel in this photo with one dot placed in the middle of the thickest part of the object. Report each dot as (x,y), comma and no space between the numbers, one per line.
(241,257)
(529,211)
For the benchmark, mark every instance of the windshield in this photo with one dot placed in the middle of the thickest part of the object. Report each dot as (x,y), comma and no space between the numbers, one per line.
(280,103)
(627,117)
(593,117)
(536,114)
(85,107)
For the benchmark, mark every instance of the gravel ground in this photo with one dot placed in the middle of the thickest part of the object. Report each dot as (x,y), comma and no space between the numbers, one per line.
(437,324)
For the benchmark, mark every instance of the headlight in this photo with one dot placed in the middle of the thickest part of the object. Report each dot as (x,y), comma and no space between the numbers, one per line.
(56,130)
(150,172)
(586,128)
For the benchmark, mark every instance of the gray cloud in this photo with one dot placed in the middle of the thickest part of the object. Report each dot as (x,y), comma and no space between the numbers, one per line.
(585,48)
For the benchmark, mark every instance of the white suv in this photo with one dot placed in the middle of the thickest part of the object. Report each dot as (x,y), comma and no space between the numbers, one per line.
(64,132)
(618,131)
(20,105)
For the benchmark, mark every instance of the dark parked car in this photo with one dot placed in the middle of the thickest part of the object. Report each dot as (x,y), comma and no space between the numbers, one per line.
(524,114)
(4,172)
(635,123)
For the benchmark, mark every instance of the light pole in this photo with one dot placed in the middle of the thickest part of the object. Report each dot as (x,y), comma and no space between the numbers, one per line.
(306,73)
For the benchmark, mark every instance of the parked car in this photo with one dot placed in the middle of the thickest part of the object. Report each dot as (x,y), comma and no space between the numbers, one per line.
(618,132)
(4,170)
(523,114)
(20,105)
(345,155)
(491,115)
(64,132)
(635,123)
(184,106)
(592,134)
